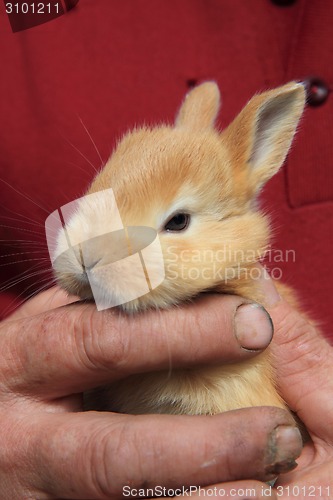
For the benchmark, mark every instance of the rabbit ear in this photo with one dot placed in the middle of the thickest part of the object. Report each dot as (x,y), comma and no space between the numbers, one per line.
(260,136)
(200,107)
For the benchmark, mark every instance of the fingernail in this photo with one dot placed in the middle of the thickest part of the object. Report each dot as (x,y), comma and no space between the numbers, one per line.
(270,293)
(284,446)
(253,327)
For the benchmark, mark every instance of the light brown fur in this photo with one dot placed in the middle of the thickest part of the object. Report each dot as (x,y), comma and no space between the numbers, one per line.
(215,177)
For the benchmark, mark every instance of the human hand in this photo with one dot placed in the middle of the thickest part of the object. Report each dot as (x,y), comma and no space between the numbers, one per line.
(304,364)
(305,376)
(49,448)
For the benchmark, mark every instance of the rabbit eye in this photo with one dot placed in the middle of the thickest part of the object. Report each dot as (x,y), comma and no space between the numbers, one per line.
(178,222)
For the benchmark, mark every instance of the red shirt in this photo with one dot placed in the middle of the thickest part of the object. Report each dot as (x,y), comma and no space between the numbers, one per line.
(108,65)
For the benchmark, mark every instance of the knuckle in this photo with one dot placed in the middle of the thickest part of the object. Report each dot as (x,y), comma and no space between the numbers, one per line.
(297,330)
(293,326)
(100,343)
(99,473)
(112,452)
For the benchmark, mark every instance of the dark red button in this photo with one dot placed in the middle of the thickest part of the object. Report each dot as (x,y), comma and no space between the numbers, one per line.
(191,82)
(316,91)
(283,3)
(71,3)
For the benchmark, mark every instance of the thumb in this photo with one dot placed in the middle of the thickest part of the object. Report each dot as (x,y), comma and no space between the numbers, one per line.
(303,358)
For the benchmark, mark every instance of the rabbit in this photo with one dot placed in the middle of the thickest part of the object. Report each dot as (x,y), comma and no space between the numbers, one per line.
(197,188)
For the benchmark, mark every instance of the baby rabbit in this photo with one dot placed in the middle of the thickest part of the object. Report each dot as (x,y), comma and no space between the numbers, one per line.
(197,188)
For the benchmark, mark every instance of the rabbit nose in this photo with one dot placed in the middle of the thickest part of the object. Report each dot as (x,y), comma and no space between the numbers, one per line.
(103,249)
(123,265)
(86,263)
(114,246)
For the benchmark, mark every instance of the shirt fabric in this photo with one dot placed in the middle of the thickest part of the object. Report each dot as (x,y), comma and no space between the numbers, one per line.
(105,66)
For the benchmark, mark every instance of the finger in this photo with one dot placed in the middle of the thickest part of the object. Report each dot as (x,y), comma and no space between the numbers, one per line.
(95,455)
(304,362)
(237,490)
(49,299)
(75,348)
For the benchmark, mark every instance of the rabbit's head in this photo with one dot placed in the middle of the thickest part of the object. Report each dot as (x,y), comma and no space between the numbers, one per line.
(188,188)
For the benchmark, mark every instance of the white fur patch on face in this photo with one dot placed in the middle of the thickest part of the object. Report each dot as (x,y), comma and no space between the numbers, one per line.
(121,264)
(93,215)
(81,220)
